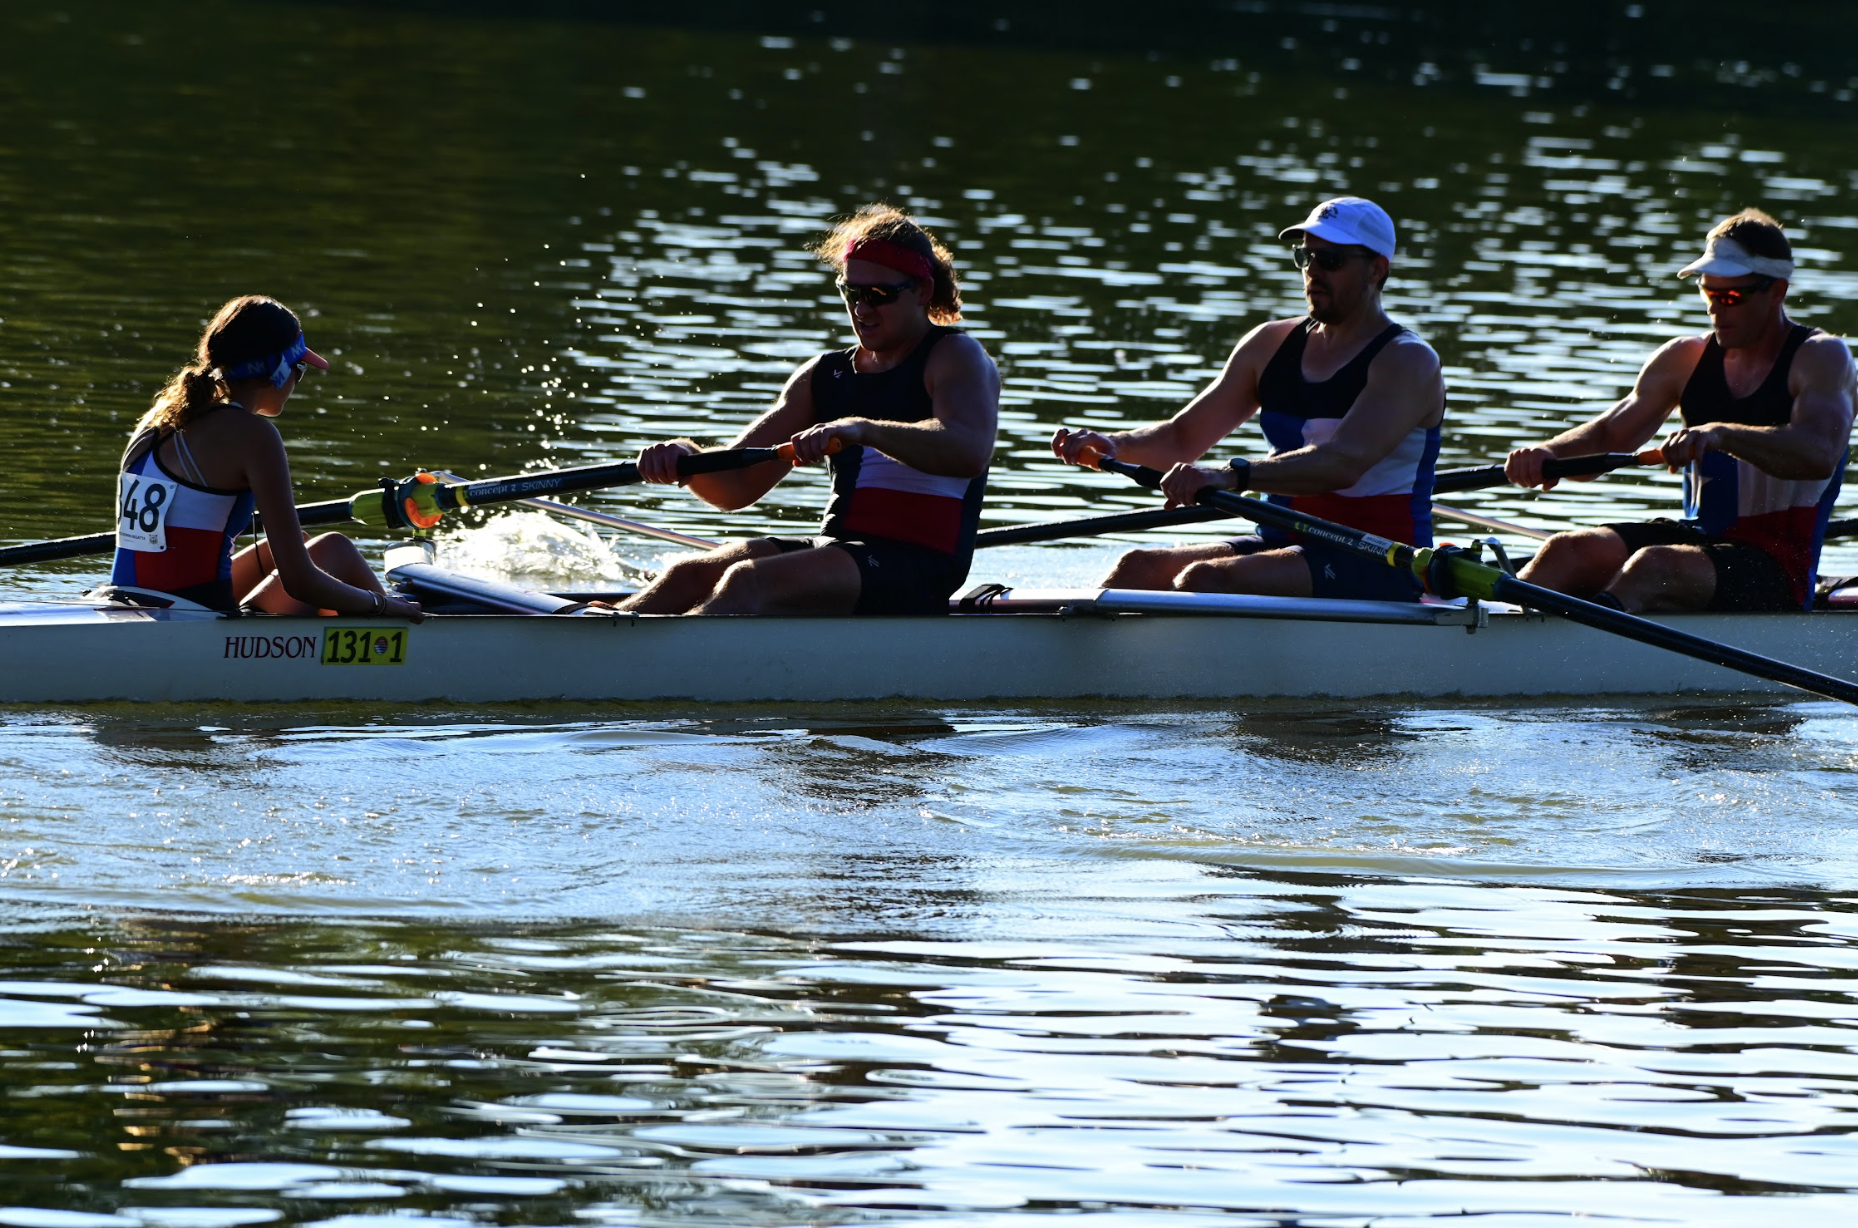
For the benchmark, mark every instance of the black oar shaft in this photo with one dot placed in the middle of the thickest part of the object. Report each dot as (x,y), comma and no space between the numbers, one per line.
(1520,592)
(1122,522)
(375,507)
(1479,580)
(1481,476)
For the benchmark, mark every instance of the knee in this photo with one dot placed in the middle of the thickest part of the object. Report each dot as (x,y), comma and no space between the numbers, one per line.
(737,591)
(1201,578)
(1147,568)
(1651,562)
(1581,551)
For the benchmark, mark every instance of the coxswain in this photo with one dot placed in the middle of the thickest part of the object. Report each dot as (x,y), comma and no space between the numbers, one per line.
(1351,406)
(205,455)
(906,420)
(1766,411)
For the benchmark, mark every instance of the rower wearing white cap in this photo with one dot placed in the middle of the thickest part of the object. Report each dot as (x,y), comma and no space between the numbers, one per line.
(1766,406)
(1352,405)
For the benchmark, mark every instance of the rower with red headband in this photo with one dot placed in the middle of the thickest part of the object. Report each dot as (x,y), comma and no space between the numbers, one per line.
(1351,406)
(204,456)
(1766,406)
(906,420)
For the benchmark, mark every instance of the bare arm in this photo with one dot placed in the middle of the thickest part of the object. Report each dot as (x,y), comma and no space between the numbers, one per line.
(1221,408)
(1404,390)
(267,472)
(1628,425)
(735,489)
(958,441)
(1812,441)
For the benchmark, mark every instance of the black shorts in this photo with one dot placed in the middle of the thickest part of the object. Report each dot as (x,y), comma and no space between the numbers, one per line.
(1335,572)
(893,577)
(1748,579)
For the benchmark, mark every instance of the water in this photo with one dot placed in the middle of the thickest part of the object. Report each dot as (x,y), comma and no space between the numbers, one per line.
(1270,963)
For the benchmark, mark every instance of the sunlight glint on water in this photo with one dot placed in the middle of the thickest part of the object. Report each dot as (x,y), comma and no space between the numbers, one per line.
(1246,963)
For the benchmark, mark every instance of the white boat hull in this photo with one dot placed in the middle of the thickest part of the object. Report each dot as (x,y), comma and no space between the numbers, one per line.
(64,653)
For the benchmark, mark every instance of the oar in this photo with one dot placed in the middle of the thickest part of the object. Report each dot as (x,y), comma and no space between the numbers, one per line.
(570,512)
(1473,478)
(419,501)
(1442,512)
(1454,574)
(1554,469)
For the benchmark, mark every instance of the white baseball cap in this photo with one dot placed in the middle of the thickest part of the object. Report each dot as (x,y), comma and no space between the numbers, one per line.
(1348,219)
(1724,257)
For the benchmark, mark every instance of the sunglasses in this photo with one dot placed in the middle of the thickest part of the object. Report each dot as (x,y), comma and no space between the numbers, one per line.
(303,370)
(873,296)
(1729,296)
(1328,259)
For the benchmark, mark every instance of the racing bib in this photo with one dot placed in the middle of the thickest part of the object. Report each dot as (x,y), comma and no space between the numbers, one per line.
(142,506)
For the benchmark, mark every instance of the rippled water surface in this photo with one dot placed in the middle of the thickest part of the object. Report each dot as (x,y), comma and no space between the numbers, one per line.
(1260,963)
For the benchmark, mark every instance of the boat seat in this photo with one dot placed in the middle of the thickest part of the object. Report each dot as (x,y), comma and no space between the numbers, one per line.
(144,599)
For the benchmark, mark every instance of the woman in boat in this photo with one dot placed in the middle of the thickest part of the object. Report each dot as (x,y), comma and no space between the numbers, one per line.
(206,454)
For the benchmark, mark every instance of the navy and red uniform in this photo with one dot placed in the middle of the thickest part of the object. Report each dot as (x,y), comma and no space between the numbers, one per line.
(911,533)
(1762,533)
(1393,499)
(196,523)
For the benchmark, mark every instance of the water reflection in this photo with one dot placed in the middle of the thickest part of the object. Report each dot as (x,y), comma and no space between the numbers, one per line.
(722,1076)
(628,261)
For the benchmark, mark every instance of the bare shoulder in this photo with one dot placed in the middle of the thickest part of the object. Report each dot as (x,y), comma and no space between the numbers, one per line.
(1268,336)
(958,352)
(242,430)
(1679,353)
(1824,357)
(1409,356)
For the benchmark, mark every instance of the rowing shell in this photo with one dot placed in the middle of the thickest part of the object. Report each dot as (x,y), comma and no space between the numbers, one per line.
(1015,646)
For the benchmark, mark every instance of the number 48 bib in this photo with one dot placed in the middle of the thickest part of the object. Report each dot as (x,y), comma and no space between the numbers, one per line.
(143,503)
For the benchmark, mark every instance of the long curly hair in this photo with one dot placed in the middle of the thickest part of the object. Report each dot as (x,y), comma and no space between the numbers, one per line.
(893,225)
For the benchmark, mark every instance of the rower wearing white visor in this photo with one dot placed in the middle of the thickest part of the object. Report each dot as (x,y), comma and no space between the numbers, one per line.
(1352,405)
(1766,406)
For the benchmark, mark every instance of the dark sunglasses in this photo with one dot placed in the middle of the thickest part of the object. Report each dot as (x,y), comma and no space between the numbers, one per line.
(303,370)
(1729,296)
(873,296)
(1328,259)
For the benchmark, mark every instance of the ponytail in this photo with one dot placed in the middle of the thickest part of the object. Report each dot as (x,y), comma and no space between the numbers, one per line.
(188,393)
(243,329)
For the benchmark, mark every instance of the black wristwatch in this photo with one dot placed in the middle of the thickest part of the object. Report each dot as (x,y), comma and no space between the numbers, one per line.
(1241,473)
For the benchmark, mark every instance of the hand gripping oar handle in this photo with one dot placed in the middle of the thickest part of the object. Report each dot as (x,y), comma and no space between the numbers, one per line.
(418,502)
(1452,573)
(1553,470)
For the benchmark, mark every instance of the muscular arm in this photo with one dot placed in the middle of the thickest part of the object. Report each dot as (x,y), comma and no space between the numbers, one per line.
(1221,408)
(958,441)
(739,488)
(1812,441)
(1405,390)
(267,472)
(1628,425)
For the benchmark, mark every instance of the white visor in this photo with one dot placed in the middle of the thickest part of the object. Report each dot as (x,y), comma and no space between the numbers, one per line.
(1724,257)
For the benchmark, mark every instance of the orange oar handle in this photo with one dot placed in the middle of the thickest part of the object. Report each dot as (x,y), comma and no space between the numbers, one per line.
(786,451)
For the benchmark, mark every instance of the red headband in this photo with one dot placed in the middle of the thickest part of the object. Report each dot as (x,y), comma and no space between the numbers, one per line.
(891,256)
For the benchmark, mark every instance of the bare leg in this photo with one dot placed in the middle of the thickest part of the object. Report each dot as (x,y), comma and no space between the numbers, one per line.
(332,552)
(1581,562)
(688,583)
(1665,578)
(1273,573)
(1157,567)
(824,580)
